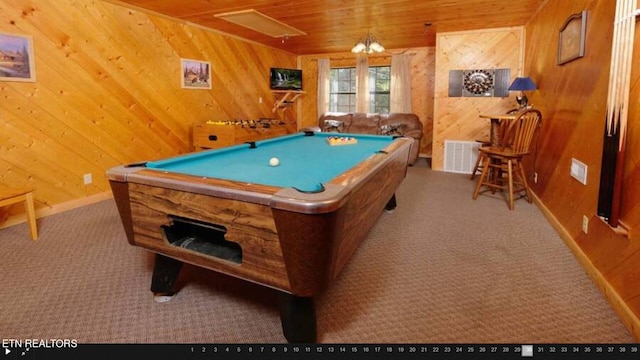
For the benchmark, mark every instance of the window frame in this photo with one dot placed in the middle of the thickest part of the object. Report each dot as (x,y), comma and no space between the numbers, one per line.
(374,105)
(373,92)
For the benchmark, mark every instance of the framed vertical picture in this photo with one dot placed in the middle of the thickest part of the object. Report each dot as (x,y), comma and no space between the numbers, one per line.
(572,38)
(196,74)
(17,62)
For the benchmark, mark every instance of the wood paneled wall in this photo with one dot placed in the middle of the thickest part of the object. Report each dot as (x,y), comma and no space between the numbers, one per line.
(108,92)
(457,118)
(422,85)
(573,99)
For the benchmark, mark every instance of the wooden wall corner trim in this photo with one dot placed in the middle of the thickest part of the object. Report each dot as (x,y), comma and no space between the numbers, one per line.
(628,317)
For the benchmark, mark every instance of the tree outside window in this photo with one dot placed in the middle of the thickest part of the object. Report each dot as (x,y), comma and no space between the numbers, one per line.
(379,89)
(342,89)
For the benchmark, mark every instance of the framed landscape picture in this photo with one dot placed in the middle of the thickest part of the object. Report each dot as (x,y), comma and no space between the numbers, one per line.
(16,58)
(196,74)
(571,39)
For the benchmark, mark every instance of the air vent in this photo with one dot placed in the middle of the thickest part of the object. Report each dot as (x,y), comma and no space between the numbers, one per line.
(460,156)
(261,23)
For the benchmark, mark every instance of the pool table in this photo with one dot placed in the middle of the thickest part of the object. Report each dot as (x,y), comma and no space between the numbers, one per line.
(290,227)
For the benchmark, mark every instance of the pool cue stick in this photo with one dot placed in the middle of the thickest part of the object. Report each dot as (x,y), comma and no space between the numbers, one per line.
(628,25)
(613,78)
(609,141)
(609,200)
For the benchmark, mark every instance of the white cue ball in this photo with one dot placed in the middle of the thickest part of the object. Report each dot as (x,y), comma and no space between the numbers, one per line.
(274,162)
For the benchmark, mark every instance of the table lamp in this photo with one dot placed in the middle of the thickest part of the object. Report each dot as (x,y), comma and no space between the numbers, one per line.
(521,84)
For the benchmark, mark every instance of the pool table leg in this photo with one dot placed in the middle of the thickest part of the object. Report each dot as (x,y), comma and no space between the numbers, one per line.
(298,317)
(165,274)
(391,205)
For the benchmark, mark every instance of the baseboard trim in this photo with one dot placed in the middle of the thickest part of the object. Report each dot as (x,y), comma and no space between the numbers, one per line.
(56,209)
(628,317)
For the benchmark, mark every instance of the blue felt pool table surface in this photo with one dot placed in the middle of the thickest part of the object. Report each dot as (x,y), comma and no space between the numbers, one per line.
(305,162)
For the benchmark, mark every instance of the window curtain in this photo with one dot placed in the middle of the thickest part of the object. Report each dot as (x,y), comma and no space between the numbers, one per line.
(362,84)
(400,84)
(324,73)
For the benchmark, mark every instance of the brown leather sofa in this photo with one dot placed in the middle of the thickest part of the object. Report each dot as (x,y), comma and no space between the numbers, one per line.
(403,124)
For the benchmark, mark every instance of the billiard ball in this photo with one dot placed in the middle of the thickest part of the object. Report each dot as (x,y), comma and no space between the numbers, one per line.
(274,161)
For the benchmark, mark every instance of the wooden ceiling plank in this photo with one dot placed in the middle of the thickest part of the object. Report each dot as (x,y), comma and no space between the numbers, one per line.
(335,25)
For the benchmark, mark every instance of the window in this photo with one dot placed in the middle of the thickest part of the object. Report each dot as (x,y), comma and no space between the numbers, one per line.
(342,89)
(379,89)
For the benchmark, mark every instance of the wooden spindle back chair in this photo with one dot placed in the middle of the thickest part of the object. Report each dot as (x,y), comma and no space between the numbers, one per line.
(506,158)
(502,127)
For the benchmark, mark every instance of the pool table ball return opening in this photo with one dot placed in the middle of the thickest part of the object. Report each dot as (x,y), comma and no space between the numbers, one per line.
(293,241)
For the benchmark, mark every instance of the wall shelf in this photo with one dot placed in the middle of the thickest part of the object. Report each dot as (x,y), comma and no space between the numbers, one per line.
(285,98)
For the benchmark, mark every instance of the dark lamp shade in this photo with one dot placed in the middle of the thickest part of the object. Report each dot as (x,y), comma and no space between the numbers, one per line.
(522,83)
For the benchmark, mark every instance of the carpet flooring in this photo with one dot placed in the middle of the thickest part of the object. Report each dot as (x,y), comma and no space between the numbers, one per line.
(440,269)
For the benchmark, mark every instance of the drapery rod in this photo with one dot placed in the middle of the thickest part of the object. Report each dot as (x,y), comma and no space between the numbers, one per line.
(375,56)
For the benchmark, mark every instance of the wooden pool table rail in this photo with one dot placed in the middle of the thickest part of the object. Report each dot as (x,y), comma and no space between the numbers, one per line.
(293,242)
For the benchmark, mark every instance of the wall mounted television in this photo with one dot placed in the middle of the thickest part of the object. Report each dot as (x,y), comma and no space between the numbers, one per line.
(285,79)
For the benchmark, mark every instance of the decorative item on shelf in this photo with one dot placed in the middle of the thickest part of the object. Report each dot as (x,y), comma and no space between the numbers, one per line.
(368,46)
(522,84)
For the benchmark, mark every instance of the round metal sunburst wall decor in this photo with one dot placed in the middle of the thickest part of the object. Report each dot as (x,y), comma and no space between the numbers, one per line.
(478,82)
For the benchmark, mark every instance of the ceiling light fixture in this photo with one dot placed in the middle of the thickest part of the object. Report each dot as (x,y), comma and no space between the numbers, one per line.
(369,45)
